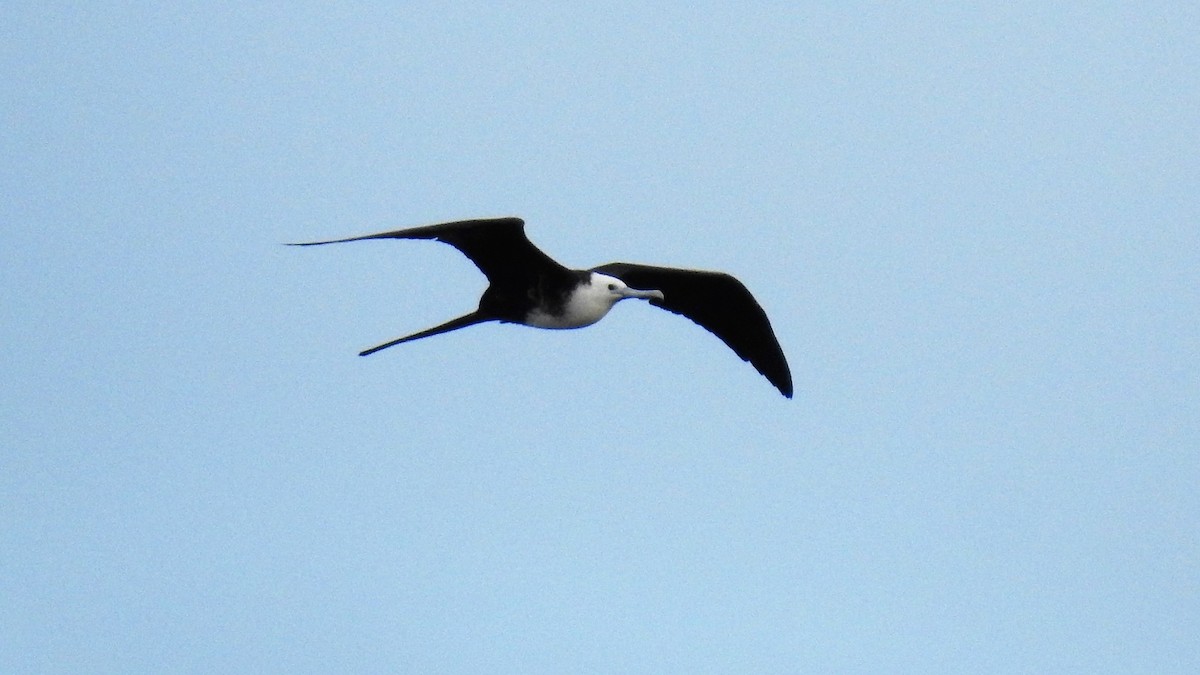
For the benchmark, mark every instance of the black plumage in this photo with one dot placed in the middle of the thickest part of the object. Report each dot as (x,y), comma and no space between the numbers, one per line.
(720,304)
(529,287)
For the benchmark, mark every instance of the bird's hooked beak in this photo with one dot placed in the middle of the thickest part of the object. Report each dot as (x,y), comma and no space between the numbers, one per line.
(643,295)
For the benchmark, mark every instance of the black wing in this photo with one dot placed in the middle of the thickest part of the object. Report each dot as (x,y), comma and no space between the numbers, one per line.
(719,303)
(497,246)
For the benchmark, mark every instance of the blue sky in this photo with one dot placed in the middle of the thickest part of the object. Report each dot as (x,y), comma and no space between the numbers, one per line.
(974,229)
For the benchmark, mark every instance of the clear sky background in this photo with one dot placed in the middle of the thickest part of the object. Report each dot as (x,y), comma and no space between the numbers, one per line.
(975,228)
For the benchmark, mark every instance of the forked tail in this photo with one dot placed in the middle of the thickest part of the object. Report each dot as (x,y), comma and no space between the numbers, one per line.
(453,324)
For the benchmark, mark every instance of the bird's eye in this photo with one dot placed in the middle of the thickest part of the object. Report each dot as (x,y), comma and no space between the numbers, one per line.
(612,287)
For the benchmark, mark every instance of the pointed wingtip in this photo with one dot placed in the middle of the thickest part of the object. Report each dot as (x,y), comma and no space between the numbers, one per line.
(785,387)
(313,243)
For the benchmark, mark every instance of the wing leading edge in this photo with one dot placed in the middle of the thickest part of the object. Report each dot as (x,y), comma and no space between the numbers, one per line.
(497,246)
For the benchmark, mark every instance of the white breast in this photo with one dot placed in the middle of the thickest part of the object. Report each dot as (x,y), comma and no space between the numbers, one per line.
(587,305)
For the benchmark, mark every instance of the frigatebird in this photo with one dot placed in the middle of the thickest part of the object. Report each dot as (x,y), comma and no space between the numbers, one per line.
(528,287)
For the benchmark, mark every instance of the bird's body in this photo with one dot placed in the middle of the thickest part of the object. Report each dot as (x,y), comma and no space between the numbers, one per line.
(585,304)
(528,287)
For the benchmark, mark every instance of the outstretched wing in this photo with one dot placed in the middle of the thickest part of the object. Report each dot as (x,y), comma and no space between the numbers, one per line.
(497,246)
(719,303)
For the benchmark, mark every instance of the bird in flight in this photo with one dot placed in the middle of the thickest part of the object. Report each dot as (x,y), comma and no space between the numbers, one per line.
(528,287)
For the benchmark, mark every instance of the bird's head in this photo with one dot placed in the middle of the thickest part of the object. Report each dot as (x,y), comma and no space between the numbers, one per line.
(617,290)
